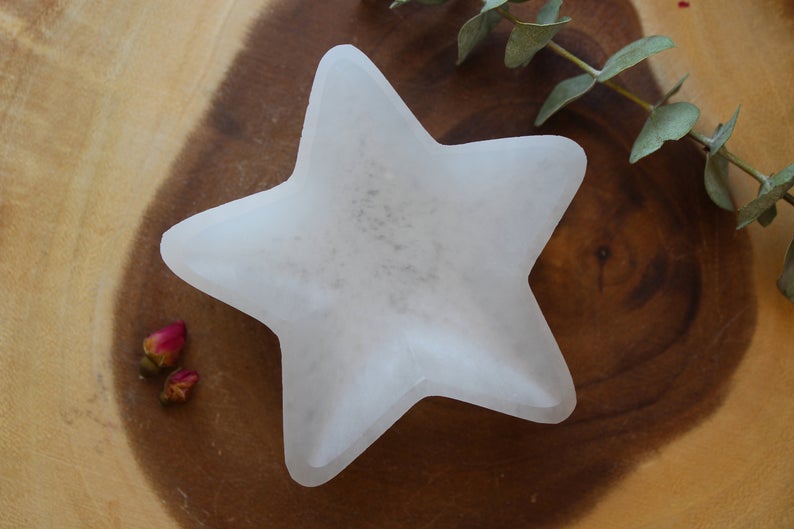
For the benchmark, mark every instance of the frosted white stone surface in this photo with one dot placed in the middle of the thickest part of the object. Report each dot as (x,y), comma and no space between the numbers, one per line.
(391,267)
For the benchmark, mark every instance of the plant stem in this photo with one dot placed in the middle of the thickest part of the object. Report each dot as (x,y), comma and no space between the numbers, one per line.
(629,95)
(648,107)
(508,15)
(760,177)
(562,52)
(567,55)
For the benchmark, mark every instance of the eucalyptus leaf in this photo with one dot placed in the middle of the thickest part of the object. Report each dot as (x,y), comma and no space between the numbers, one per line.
(549,12)
(474,31)
(564,93)
(668,122)
(771,191)
(492,4)
(636,52)
(723,132)
(673,91)
(716,180)
(527,39)
(786,280)
(767,217)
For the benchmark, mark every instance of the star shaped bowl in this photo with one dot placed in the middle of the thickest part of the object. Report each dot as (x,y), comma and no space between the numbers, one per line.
(391,267)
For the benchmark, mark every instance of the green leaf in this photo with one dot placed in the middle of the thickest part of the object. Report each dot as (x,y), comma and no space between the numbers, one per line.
(786,280)
(673,91)
(527,39)
(723,132)
(771,191)
(564,93)
(549,12)
(716,181)
(766,218)
(474,31)
(668,122)
(492,4)
(636,52)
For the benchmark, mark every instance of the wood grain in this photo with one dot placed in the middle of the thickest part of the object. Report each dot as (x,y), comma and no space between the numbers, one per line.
(96,99)
(97,104)
(631,285)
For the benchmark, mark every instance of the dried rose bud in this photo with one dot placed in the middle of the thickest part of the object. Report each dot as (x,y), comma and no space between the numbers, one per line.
(178,386)
(162,348)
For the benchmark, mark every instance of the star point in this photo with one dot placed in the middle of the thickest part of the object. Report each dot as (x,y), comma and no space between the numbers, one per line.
(391,267)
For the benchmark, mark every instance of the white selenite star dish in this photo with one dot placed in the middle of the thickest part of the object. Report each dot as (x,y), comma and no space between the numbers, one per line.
(391,267)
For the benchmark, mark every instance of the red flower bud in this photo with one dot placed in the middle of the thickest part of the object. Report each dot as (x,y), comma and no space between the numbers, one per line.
(162,348)
(178,386)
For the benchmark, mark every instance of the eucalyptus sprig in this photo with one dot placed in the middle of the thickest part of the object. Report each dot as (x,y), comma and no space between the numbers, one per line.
(667,121)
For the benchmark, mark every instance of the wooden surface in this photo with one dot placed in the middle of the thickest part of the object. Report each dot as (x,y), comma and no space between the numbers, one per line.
(685,399)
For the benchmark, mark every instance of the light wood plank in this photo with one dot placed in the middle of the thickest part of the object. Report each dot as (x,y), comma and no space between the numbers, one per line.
(96,99)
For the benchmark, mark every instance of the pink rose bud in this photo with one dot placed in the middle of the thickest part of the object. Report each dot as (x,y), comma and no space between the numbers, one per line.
(162,348)
(178,386)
